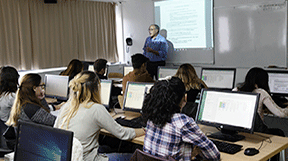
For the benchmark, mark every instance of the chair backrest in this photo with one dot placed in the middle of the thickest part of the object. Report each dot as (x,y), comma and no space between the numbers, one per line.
(140,155)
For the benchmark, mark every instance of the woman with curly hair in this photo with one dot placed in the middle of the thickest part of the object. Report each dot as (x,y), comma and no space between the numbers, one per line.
(170,133)
(85,116)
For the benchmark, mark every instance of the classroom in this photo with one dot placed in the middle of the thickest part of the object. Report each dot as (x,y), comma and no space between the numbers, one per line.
(245,34)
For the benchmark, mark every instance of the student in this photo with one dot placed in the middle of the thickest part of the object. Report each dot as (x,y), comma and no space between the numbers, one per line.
(193,84)
(8,87)
(256,81)
(74,67)
(85,116)
(168,131)
(100,68)
(139,73)
(29,104)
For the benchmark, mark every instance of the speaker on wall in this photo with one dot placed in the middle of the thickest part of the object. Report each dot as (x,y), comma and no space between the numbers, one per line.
(50,1)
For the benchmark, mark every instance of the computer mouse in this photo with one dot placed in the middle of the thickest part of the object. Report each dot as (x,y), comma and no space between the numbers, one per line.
(251,151)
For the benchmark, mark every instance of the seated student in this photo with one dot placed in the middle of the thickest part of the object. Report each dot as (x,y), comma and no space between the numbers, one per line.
(168,131)
(193,86)
(100,68)
(30,104)
(8,87)
(85,116)
(139,73)
(74,67)
(256,81)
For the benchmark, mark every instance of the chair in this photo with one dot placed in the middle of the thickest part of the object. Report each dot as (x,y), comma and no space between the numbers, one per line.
(140,155)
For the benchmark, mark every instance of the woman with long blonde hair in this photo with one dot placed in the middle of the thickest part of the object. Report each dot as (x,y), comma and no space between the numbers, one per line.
(85,116)
(193,84)
(30,104)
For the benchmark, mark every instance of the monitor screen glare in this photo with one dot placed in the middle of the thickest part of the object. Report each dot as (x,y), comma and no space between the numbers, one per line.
(56,86)
(278,82)
(165,72)
(127,70)
(135,94)
(105,92)
(218,78)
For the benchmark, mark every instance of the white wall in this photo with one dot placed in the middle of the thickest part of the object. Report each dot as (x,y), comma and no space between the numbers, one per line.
(139,14)
(137,17)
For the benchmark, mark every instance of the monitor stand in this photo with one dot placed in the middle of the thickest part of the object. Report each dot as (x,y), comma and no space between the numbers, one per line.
(227,135)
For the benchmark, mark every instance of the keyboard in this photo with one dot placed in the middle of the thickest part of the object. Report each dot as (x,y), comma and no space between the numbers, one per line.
(134,123)
(227,147)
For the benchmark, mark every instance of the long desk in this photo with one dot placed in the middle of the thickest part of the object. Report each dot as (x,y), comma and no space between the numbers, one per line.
(252,140)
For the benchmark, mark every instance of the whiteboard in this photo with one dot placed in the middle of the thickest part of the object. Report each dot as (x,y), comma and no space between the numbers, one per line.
(251,35)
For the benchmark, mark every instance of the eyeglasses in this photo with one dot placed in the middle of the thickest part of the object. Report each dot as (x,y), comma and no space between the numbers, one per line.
(151,29)
(42,86)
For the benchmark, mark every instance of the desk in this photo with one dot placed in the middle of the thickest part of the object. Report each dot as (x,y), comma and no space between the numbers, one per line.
(252,140)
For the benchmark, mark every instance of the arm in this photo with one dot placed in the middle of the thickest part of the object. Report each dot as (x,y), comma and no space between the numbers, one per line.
(191,133)
(39,115)
(144,48)
(271,105)
(105,121)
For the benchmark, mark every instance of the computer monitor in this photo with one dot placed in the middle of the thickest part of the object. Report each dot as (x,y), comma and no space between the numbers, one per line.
(134,95)
(229,111)
(56,86)
(40,142)
(164,72)
(219,78)
(278,82)
(91,68)
(105,92)
(127,69)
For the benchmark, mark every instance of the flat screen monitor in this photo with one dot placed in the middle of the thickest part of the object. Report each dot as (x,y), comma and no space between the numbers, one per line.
(127,69)
(164,72)
(105,92)
(229,111)
(91,68)
(134,95)
(278,82)
(219,78)
(56,86)
(40,142)
(115,69)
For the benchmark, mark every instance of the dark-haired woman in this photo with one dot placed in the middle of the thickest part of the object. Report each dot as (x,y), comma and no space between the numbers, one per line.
(256,81)
(29,104)
(74,67)
(8,87)
(170,133)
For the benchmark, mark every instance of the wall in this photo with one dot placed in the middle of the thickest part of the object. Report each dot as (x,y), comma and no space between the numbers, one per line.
(138,15)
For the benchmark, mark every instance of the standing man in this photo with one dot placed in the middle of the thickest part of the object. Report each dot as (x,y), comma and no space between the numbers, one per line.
(155,49)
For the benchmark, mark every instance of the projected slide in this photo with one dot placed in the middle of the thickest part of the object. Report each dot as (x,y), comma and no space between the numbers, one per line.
(188,22)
